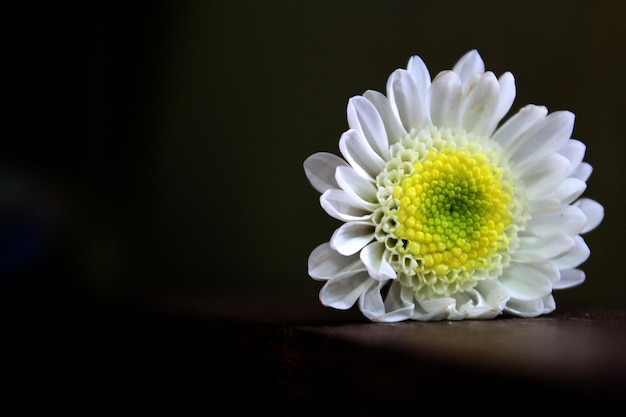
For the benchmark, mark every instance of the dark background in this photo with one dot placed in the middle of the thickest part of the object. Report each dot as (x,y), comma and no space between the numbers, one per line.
(159,145)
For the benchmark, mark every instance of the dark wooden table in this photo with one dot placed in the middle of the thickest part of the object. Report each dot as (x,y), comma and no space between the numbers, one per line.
(294,357)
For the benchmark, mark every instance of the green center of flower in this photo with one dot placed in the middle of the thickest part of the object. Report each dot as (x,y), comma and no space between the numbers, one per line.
(449,211)
(453,211)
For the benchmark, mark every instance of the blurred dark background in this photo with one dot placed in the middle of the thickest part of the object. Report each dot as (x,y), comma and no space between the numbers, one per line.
(159,145)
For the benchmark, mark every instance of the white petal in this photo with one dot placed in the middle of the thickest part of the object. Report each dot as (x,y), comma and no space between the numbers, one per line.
(325,263)
(544,175)
(445,100)
(393,126)
(594,212)
(433,309)
(373,256)
(342,292)
(343,206)
(576,256)
(407,99)
(549,305)
(360,154)
(574,151)
(350,181)
(374,308)
(485,301)
(469,64)
(480,105)
(351,237)
(582,172)
(526,309)
(531,308)
(566,219)
(320,170)
(520,123)
(538,249)
(418,70)
(546,137)
(371,301)
(493,295)
(570,278)
(364,117)
(507,96)
(399,297)
(528,281)
(569,190)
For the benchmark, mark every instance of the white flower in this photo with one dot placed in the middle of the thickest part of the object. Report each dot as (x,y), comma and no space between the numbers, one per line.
(447,214)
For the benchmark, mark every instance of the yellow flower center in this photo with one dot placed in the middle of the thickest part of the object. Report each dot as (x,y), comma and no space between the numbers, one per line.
(453,211)
(449,211)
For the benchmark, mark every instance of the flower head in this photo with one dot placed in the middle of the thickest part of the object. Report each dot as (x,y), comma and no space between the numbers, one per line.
(448,213)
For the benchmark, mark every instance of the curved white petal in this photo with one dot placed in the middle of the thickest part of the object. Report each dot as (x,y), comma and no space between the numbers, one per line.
(351,237)
(480,105)
(373,256)
(594,212)
(574,151)
(485,301)
(433,309)
(529,281)
(360,154)
(399,297)
(506,84)
(569,190)
(393,126)
(371,301)
(547,203)
(582,172)
(342,292)
(319,169)
(547,137)
(344,206)
(538,249)
(469,64)
(549,304)
(564,219)
(519,124)
(409,103)
(364,117)
(418,70)
(531,308)
(325,263)
(576,256)
(493,294)
(525,308)
(570,278)
(350,181)
(445,100)
(374,308)
(544,175)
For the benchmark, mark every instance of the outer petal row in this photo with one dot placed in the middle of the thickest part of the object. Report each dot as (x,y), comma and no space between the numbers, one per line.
(373,306)
(364,117)
(359,153)
(325,263)
(530,308)
(542,138)
(320,168)
(409,103)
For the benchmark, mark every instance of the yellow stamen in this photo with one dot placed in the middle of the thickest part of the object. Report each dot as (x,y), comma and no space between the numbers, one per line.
(456,200)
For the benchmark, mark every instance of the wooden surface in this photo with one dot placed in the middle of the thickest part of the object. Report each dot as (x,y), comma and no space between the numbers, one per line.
(562,361)
(297,358)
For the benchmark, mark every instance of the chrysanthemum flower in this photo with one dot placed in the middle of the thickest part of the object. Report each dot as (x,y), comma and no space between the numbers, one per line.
(449,214)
